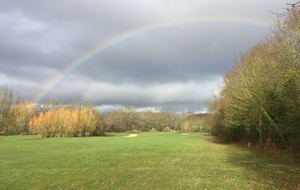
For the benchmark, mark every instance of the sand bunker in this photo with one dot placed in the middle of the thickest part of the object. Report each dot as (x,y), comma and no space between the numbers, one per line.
(185,134)
(131,135)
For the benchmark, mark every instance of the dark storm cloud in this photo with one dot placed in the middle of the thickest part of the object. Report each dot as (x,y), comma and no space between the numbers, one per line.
(193,52)
(171,68)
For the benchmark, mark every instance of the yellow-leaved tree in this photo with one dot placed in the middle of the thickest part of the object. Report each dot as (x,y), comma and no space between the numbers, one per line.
(71,121)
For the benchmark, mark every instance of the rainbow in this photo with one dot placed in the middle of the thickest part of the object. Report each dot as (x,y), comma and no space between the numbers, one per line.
(133,34)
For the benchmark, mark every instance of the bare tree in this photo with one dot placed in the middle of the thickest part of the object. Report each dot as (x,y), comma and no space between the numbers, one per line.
(291,6)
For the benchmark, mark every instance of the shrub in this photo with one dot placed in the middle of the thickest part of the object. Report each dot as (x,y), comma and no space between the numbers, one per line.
(99,131)
(153,130)
(167,129)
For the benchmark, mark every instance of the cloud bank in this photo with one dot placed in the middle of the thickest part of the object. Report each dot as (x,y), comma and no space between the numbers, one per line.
(166,55)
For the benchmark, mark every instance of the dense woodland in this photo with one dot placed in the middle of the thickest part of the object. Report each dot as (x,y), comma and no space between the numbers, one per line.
(259,99)
(55,119)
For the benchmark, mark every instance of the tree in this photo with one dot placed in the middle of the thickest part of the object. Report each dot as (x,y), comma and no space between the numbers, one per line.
(261,94)
(8,98)
(71,121)
(20,115)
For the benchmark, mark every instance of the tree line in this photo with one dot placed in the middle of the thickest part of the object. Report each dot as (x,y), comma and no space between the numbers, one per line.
(56,119)
(129,119)
(259,99)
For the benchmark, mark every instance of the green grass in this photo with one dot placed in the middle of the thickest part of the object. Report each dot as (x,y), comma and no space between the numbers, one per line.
(148,161)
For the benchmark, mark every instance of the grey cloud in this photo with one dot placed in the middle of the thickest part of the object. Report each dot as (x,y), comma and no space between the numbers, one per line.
(172,68)
(194,53)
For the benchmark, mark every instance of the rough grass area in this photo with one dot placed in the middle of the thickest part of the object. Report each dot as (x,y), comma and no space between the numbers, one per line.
(148,161)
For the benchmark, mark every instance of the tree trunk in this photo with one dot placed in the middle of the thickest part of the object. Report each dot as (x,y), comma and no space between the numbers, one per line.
(260,131)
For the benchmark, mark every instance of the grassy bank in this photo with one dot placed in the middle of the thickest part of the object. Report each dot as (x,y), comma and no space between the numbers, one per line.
(147,161)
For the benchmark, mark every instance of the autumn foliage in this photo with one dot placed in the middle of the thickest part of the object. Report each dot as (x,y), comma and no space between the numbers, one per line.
(55,119)
(64,122)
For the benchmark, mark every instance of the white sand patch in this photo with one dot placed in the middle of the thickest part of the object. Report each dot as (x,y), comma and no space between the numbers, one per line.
(185,134)
(131,135)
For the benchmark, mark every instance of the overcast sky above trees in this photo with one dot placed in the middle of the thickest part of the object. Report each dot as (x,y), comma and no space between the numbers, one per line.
(161,54)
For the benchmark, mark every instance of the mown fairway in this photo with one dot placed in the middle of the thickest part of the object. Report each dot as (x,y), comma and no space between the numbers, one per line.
(148,161)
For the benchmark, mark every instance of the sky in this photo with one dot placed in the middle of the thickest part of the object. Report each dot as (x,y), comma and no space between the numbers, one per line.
(166,55)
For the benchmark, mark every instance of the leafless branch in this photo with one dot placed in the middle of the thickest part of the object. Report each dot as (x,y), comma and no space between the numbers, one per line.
(297,4)
(288,9)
